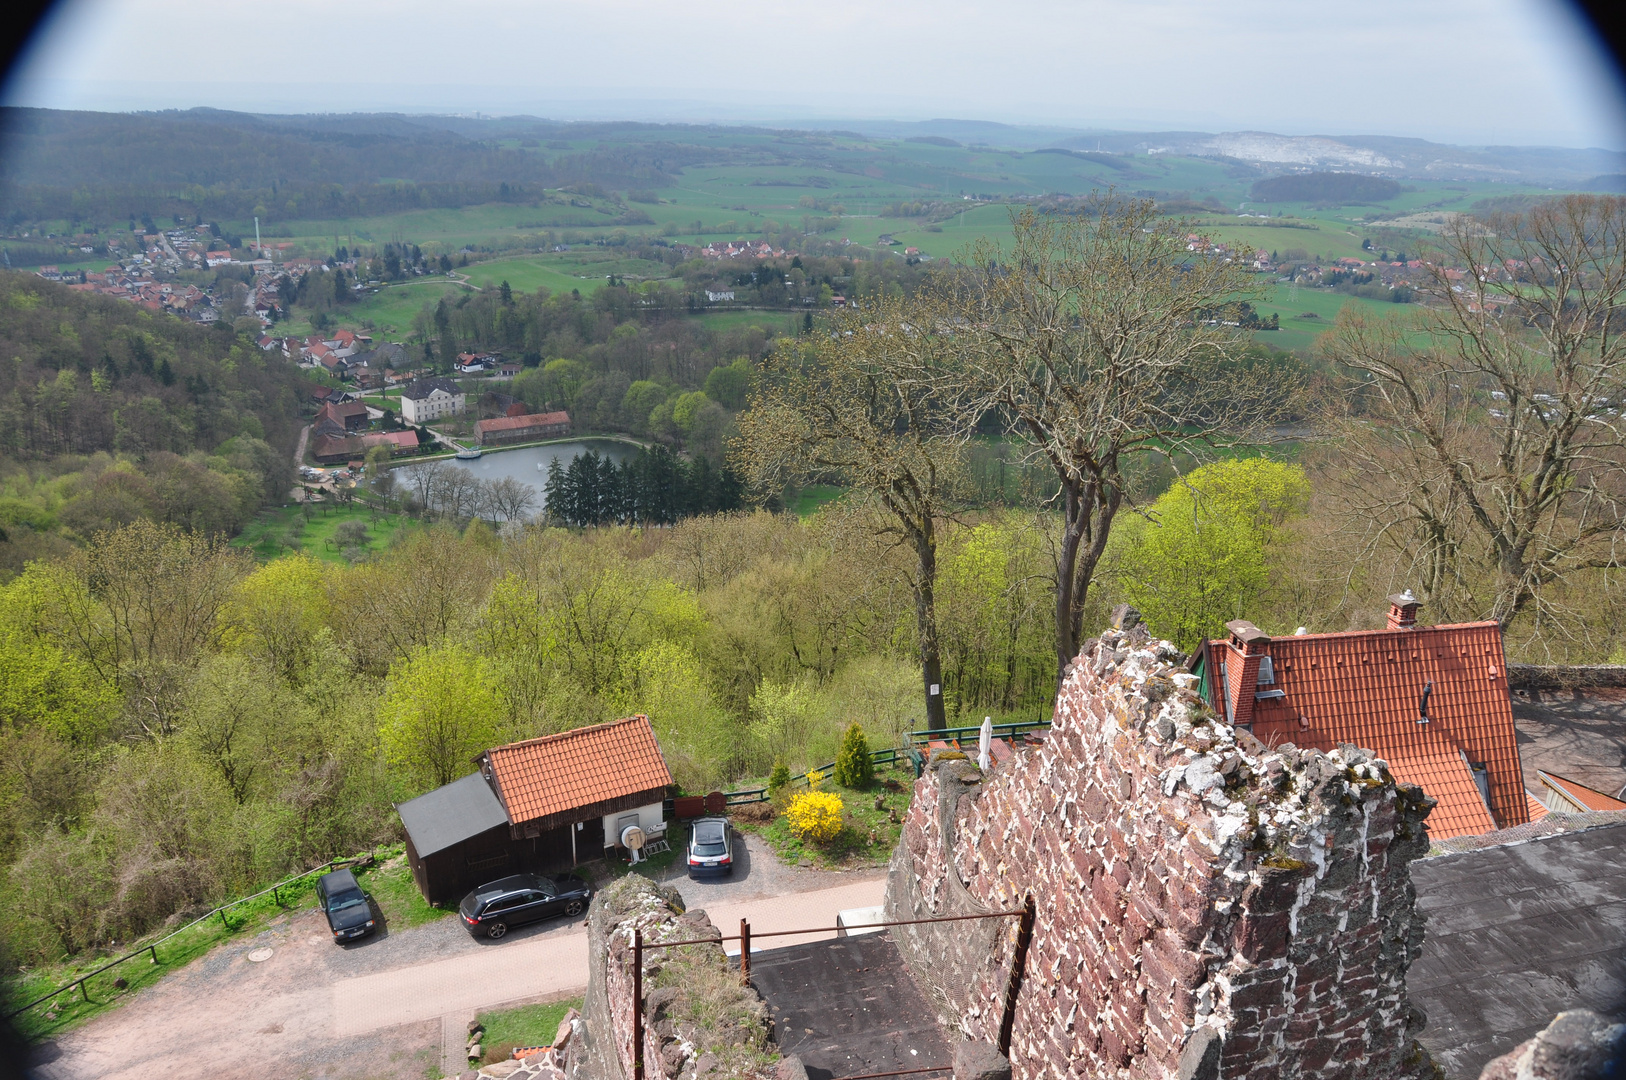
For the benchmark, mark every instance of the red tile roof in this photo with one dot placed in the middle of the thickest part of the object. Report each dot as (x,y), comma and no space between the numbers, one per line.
(579,769)
(1537,811)
(1365,688)
(1579,796)
(1435,765)
(515,423)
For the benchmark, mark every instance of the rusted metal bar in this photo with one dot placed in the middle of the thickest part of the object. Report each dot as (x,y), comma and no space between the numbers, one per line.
(901,1072)
(1019,961)
(637,1004)
(830,929)
(745,952)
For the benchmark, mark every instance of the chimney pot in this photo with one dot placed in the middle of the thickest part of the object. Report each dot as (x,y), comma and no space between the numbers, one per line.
(1403,611)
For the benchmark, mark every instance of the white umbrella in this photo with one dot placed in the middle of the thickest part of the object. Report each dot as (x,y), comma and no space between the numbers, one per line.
(983,740)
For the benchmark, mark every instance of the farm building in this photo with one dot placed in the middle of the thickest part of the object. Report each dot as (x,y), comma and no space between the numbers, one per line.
(543,805)
(508,429)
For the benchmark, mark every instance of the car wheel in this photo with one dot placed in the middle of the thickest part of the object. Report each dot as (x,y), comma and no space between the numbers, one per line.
(496,930)
(573,908)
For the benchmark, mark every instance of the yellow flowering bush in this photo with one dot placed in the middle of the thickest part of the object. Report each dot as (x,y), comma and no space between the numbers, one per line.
(815,816)
(814,779)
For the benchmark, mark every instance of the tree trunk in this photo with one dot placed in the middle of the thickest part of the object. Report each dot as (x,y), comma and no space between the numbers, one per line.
(1066,569)
(931,663)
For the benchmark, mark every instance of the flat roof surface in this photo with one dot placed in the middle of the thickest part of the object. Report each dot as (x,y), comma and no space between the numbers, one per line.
(1579,734)
(1517,934)
(847,1007)
(451,814)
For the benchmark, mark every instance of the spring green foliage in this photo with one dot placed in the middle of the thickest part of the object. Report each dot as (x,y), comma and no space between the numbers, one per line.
(440,710)
(779,777)
(1204,555)
(854,769)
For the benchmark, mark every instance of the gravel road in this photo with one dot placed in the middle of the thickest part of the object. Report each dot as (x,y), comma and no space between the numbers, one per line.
(392,1005)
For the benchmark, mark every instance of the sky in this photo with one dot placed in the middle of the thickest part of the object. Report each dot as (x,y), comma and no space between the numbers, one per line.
(1506,72)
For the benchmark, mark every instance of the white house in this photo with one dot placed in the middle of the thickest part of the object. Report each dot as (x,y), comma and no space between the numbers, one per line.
(427,400)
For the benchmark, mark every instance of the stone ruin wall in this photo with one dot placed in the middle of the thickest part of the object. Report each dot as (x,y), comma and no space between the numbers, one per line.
(736,1043)
(1206,906)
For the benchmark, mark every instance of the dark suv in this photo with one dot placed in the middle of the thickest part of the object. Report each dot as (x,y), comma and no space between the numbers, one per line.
(349,911)
(492,909)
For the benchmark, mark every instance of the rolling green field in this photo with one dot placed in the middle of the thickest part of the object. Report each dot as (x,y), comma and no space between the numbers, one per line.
(286,529)
(847,191)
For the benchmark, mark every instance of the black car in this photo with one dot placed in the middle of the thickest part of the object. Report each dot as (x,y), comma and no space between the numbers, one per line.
(711,848)
(492,909)
(349,911)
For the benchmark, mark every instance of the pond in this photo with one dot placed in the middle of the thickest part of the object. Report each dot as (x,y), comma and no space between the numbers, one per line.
(530,465)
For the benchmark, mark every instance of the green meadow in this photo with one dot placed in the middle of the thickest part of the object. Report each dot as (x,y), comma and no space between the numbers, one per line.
(288,529)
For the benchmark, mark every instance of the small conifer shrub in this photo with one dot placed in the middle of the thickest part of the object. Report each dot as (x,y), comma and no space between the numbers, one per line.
(854,769)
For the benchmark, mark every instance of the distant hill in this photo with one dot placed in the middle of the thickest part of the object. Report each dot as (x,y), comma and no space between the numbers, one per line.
(1328,188)
(1380,154)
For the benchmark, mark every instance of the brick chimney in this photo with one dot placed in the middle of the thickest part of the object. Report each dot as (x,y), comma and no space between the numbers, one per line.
(1403,611)
(1249,645)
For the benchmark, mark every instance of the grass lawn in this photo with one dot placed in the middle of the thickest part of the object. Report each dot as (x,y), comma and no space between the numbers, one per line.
(810,498)
(1309,312)
(523,1026)
(527,273)
(389,881)
(287,529)
(104,992)
(868,836)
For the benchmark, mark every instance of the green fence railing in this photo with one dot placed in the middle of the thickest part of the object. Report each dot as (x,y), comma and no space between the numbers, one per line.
(151,948)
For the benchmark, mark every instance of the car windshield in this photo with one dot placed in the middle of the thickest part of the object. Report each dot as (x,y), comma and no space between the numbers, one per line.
(346,900)
(708,839)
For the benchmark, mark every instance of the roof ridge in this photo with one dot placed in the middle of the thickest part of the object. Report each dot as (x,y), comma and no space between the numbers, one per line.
(559,736)
(1414,630)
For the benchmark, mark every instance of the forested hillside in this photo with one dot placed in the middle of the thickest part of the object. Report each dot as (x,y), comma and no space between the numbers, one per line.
(177,723)
(109,413)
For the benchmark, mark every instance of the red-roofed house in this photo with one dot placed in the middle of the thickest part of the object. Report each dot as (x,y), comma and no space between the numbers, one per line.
(1432,701)
(542,804)
(510,429)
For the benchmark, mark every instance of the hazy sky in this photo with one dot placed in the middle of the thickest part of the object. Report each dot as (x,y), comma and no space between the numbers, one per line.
(1464,71)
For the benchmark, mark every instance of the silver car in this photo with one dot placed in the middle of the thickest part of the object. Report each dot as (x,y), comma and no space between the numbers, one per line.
(711,848)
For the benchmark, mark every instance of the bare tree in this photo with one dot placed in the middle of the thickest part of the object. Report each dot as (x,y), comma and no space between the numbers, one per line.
(1100,336)
(860,407)
(424,482)
(511,498)
(1485,435)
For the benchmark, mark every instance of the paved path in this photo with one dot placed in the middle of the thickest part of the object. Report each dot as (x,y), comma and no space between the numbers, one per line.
(299,451)
(314,1010)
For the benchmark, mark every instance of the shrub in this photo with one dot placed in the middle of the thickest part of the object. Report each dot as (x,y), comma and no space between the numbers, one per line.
(779,777)
(816,816)
(854,769)
(814,779)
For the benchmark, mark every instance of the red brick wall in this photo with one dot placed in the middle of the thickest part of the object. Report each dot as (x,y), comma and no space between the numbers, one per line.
(1193,891)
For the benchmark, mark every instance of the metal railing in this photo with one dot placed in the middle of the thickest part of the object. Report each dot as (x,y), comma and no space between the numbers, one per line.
(151,948)
(1027,913)
(1015,727)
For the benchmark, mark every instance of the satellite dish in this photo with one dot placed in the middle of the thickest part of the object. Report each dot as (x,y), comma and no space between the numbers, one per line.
(632,838)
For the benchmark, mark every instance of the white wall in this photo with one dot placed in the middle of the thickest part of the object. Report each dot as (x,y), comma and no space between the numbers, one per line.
(649,820)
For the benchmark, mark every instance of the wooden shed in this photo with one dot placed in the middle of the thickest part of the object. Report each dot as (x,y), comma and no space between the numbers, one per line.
(543,804)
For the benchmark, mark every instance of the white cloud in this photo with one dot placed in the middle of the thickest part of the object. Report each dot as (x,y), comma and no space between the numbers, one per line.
(1509,71)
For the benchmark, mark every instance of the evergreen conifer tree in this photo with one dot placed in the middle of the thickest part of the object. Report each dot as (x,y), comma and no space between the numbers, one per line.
(854,769)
